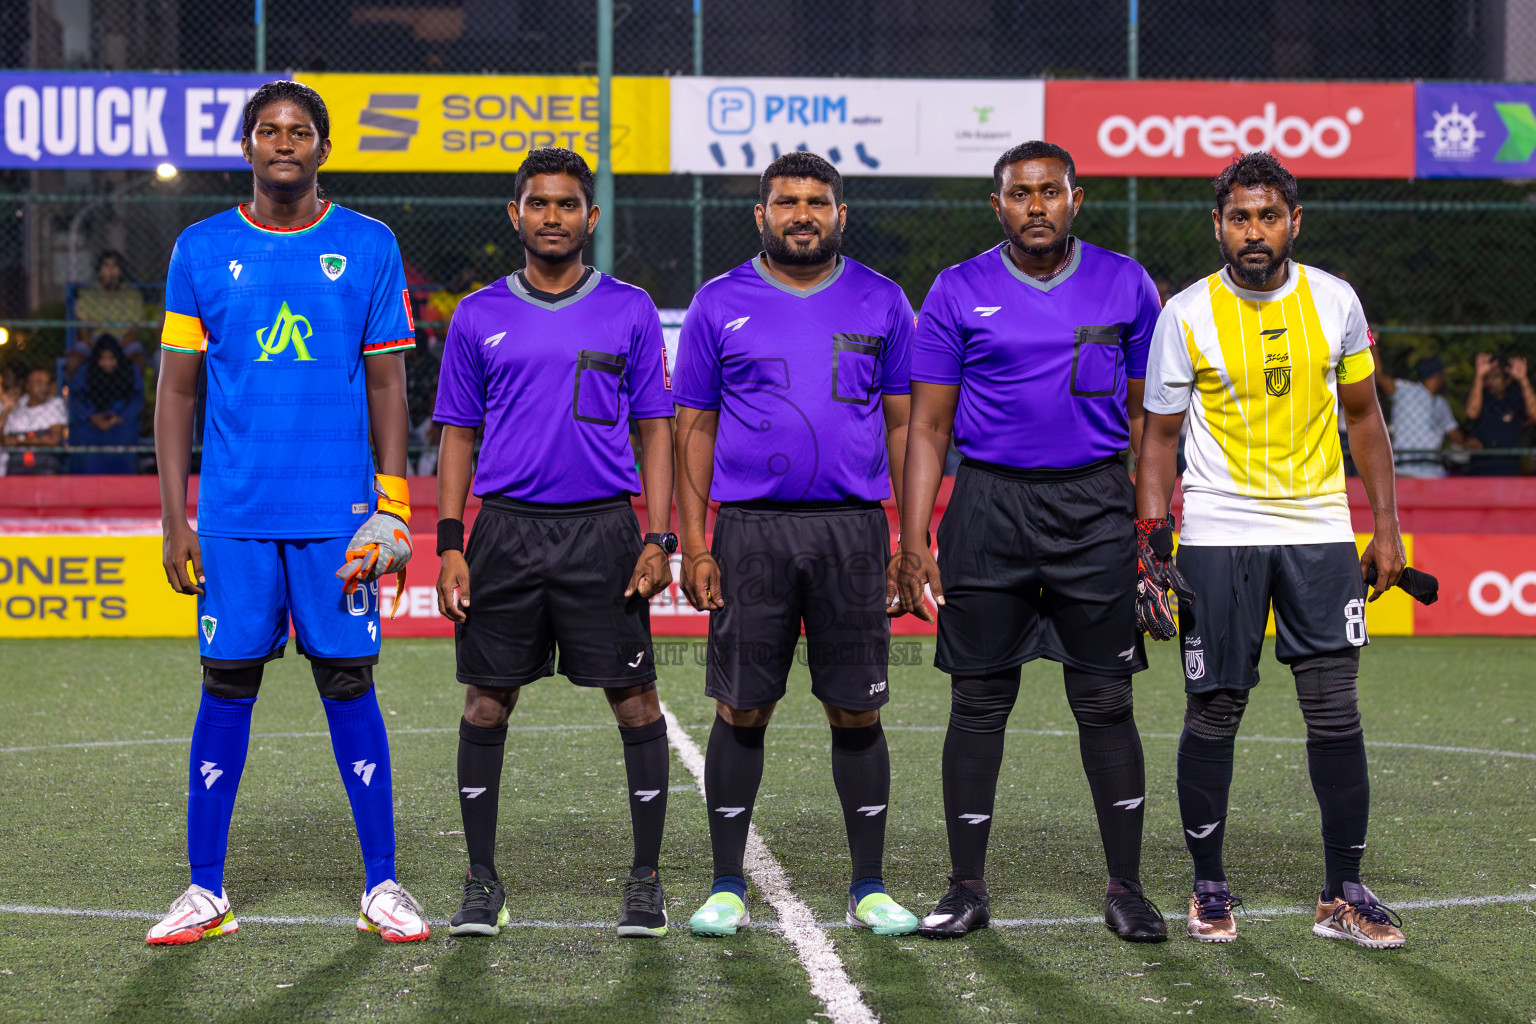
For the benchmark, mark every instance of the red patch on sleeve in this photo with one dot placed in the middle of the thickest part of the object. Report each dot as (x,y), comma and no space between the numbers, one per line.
(1369,336)
(405,296)
(666,374)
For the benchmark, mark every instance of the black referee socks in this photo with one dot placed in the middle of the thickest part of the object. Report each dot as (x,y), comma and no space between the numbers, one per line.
(480,756)
(861,770)
(733,769)
(647,766)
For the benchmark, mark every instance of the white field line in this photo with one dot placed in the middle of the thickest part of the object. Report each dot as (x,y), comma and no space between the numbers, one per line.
(283,736)
(829,979)
(1013,923)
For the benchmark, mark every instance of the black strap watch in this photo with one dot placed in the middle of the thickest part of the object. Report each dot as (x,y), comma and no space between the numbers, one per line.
(666,541)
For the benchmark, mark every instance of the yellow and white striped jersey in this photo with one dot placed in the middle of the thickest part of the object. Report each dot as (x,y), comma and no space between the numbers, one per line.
(1258,373)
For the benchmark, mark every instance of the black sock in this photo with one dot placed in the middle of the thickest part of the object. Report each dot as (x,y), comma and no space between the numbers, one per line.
(480,756)
(733,769)
(861,770)
(1112,760)
(646,765)
(973,756)
(1205,777)
(1343,789)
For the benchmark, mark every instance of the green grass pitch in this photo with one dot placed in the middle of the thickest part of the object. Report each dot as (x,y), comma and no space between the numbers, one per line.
(92,801)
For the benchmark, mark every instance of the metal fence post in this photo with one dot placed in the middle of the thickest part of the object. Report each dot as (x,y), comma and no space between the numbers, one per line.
(698,179)
(261,37)
(1131,43)
(603,244)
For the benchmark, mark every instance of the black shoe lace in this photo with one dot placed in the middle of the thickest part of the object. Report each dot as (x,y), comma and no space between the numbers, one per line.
(1216,906)
(1371,911)
(640,894)
(1139,897)
(478,895)
(958,899)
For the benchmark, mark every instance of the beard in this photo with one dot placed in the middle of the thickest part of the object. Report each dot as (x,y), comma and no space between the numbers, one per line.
(578,242)
(1251,276)
(1039,252)
(781,251)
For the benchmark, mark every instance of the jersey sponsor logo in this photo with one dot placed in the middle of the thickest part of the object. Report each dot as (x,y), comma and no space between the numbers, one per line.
(870,810)
(666,371)
(494,340)
(1131,804)
(364,770)
(738,323)
(210,772)
(235,266)
(288,329)
(986,310)
(875,688)
(333,264)
(647,795)
(974,819)
(1194,664)
(208,624)
(1204,830)
(729,812)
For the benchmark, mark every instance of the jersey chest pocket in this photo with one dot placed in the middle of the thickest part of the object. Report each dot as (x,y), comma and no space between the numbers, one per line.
(1095,361)
(738,372)
(599,375)
(855,367)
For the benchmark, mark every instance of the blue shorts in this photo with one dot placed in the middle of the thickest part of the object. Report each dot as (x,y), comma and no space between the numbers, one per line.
(253,586)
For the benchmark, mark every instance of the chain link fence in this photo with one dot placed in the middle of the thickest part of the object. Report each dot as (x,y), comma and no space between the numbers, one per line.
(1441,266)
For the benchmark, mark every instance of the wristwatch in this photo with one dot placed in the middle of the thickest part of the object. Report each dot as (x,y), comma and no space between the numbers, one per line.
(666,541)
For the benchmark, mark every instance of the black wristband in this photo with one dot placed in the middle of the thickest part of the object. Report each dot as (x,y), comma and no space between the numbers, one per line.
(450,535)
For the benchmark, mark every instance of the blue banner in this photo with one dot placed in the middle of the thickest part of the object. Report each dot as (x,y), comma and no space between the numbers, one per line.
(122,120)
(1475,131)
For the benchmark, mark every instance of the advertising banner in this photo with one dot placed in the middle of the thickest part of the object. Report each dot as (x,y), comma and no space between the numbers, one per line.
(1194,129)
(445,123)
(89,586)
(874,127)
(123,120)
(1475,131)
(1487,584)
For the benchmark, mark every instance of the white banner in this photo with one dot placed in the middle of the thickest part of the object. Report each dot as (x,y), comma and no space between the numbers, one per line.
(889,127)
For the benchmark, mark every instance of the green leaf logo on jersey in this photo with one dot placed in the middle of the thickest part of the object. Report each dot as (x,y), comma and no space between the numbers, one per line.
(288,329)
(209,624)
(333,264)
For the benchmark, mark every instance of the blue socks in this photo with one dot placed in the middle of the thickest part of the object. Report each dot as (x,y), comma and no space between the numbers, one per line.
(220,738)
(734,884)
(362,754)
(862,887)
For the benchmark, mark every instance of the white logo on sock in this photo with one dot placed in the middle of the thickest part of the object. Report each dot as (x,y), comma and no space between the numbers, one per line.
(1360,847)
(974,819)
(364,770)
(870,810)
(647,795)
(729,812)
(210,772)
(470,792)
(1130,805)
(1204,830)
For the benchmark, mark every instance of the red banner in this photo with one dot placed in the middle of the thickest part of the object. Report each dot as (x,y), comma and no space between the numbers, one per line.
(1487,584)
(1194,129)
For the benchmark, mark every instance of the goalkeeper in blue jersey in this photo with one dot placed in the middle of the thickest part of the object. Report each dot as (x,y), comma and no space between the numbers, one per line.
(297,312)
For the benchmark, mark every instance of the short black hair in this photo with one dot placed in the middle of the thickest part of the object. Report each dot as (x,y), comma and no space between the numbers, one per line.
(112,254)
(555,161)
(283,89)
(801,164)
(1255,170)
(1033,150)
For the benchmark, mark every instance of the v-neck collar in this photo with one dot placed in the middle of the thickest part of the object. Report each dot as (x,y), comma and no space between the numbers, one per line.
(1073,263)
(759,265)
(517,287)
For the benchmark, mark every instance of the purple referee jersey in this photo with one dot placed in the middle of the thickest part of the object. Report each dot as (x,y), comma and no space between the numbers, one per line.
(797,377)
(1041,366)
(555,384)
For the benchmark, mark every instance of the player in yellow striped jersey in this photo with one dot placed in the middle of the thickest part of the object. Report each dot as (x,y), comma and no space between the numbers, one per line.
(1256,358)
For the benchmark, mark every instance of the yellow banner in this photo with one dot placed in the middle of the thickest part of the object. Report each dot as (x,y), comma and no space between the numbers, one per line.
(488,122)
(89,586)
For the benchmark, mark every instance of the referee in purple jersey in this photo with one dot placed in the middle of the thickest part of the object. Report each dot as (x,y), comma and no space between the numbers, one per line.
(1032,356)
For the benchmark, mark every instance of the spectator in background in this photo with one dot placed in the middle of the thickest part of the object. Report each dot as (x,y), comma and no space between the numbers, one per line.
(112,300)
(441,303)
(1499,408)
(106,397)
(35,416)
(1421,418)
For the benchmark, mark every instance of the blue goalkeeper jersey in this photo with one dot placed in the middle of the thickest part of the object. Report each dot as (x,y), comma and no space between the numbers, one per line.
(286,319)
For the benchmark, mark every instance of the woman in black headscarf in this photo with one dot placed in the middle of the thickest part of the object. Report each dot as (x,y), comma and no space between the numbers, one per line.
(106,397)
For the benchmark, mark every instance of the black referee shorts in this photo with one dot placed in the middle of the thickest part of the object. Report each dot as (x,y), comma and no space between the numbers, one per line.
(1039,564)
(784,564)
(1316,590)
(543,577)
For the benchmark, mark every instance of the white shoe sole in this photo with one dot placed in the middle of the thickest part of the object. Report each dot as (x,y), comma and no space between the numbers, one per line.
(1199,937)
(1322,931)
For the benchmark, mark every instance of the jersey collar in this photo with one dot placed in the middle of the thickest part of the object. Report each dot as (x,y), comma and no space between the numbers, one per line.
(325,211)
(1055,282)
(1292,274)
(761,267)
(516,287)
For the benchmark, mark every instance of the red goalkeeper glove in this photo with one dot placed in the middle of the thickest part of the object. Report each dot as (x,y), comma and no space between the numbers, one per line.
(1155,576)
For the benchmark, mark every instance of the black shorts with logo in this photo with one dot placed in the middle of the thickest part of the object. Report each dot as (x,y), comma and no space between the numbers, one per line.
(1039,564)
(543,577)
(1318,597)
(782,564)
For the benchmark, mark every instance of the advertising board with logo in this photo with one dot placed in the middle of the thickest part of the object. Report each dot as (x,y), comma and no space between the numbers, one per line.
(448,123)
(71,586)
(1193,129)
(885,127)
(100,119)
(1475,131)
(1487,584)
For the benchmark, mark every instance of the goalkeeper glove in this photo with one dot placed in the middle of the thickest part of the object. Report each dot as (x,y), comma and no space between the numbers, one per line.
(382,545)
(1155,576)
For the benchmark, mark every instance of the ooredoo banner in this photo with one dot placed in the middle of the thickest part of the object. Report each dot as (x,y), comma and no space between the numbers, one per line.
(1487,584)
(1193,129)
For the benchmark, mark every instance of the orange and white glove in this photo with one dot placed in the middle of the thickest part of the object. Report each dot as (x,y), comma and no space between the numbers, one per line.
(382,545)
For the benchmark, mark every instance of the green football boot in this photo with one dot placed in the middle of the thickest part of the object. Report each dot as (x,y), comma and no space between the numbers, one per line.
(722,914)
(881,914)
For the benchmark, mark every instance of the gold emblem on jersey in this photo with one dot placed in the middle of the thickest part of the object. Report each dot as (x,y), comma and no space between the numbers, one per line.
(1277,365)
